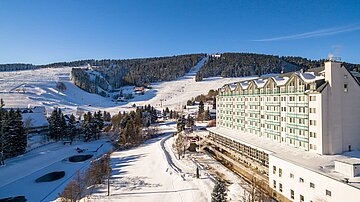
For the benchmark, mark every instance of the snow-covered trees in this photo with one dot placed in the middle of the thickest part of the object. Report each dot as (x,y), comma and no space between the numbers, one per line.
(219,193)
(12,133)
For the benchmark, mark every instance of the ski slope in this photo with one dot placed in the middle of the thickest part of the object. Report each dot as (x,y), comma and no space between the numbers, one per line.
(38,88)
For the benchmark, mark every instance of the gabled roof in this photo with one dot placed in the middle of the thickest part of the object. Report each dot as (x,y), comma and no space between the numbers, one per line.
(309,77)
(260,82)
(232,86)
(244,84)
(280,81)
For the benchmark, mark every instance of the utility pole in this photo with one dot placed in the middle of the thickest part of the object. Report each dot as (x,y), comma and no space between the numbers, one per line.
(108,181)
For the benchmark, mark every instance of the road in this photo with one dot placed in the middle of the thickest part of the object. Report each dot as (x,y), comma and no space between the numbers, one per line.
(148,173)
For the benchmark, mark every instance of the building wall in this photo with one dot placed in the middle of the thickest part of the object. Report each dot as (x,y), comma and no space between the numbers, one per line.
(281,115)
(339,190)
(342,110)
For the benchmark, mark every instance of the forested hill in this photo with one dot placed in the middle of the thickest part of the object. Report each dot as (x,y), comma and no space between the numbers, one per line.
(107,75)
(246,64)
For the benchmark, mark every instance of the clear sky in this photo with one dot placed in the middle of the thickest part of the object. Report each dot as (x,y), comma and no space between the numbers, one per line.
(49,31)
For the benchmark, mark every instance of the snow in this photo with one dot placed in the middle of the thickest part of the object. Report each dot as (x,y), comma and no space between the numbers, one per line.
(17,177)
(35,119)
(151,172)
(38,88)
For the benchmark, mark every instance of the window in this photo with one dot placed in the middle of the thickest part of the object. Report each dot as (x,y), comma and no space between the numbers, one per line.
(301,180)
(301,198)
(274,184)
(312,185)
(312,110)
(328,193)
(345,88)
(274,169)
(291,175)
(312,122)
(280,172)
(292,194)
(313,134)
(312,98)
(280,187)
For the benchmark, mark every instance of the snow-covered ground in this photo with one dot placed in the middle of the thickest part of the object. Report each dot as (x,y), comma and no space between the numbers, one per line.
(151,172)
(18,177)
(38,87)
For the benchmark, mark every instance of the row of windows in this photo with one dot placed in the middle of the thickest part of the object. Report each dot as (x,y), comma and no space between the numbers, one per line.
(292,192)
(268,98)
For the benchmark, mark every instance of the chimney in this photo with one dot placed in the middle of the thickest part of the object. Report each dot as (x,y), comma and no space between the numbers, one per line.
(332,68)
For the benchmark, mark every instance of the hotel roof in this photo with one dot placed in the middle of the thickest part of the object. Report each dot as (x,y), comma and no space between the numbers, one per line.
(323,164)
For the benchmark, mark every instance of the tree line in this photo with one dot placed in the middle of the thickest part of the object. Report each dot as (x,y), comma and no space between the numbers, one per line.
(64,127)
(248,64)
(106,75)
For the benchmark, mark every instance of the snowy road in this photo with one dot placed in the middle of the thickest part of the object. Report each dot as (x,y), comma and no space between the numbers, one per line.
(146,173)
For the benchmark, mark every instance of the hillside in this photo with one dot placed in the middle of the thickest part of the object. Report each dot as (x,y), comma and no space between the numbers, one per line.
(105,76)
(246,64)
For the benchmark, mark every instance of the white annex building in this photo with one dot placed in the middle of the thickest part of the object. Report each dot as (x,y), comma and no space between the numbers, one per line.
(299,132)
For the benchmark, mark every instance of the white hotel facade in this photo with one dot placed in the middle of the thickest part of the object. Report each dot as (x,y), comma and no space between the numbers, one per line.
(300,131)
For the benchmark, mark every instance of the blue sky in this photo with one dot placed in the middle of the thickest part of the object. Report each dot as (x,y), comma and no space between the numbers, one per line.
(46,31)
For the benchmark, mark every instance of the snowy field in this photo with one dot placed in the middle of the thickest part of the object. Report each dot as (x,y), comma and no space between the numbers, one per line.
(38,88)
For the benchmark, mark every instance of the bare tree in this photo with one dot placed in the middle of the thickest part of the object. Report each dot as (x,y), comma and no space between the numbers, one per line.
(180,143)
(254,193)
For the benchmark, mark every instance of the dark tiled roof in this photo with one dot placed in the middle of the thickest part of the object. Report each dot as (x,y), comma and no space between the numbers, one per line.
(322,87)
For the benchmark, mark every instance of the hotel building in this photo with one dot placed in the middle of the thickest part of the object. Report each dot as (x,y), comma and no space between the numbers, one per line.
(299,131)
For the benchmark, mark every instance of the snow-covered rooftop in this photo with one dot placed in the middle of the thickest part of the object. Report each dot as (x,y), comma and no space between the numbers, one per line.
(280,80)
(260,82)
(309,77)
(323,164)
(34,119)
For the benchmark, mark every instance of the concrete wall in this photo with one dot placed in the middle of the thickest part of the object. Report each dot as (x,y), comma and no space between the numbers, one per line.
(343,109)
(339,190)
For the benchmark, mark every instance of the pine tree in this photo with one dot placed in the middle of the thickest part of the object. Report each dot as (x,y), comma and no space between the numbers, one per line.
(181,124)
(88,127)
(214,103)
(201,107)
(71,128)
(52,124)
(189,121)
(20,133)
(219,193)
(61,125)
(207,114)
